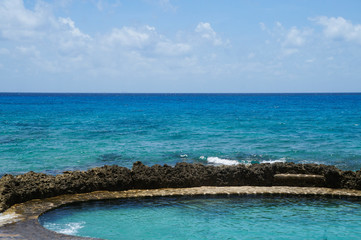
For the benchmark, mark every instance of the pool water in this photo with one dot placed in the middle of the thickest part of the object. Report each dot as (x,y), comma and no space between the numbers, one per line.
(209,218)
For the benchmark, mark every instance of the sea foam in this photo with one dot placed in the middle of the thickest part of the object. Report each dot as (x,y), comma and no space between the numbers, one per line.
(224,161)
(281,160)
(220,161)
(69,228)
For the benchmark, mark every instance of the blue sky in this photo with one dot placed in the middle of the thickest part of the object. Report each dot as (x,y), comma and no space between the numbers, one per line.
(180,46)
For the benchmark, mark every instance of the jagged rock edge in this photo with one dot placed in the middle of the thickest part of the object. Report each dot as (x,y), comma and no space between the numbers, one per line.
(31,185)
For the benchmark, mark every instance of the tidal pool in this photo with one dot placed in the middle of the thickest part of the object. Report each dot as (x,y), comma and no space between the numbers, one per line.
(231,217)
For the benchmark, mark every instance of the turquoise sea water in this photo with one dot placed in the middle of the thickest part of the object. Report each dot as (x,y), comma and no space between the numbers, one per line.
(210,218)
(55,132)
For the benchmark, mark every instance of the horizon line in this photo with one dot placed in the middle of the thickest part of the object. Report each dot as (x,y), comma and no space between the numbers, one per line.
(224,93)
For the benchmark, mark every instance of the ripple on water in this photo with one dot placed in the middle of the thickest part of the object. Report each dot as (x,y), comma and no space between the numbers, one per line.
(210,218)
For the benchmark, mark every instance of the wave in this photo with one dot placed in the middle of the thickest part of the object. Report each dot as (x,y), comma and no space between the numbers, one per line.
(223,161)
(281,160)
(313,162)
(68,229)
(220,161)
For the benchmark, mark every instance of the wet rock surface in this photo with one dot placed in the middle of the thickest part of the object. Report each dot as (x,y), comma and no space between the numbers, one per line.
(31,185)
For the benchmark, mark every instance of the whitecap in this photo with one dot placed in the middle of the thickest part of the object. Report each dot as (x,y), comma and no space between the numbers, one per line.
(68,229)
(281,160)
(221,161)
(183,155)
(312,162)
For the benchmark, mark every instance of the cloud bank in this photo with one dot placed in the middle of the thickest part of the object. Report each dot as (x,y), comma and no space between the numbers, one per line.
(339,28)
(51,52)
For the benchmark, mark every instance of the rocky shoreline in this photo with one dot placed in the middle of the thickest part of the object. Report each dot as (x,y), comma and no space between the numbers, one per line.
(31,185)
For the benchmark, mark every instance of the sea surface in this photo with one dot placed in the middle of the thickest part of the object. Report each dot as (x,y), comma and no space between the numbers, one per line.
(52,133)
(210,218)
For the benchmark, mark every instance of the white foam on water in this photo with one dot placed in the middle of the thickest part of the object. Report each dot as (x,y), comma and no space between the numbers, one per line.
(68,229)
(281,160)
(183,155)
(313,162)
(220,161)
(223,161)
(8,218)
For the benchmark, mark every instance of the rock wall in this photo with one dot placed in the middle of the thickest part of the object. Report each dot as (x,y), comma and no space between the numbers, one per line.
(31,185)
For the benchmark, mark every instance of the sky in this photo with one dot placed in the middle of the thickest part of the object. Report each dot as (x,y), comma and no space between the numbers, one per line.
(174,46)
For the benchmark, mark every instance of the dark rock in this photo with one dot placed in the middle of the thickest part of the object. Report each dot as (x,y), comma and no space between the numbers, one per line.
(31,185)
(348,180)
(358,180)
(299,180)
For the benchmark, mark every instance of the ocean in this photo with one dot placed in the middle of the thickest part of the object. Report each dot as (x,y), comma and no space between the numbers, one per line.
(52,133)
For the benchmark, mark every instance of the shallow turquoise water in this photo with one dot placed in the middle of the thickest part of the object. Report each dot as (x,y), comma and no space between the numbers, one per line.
(55,132)
(52,133)
(210,218)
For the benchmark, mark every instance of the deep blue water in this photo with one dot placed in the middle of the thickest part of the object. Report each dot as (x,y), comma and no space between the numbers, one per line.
(210,218)
(55,132)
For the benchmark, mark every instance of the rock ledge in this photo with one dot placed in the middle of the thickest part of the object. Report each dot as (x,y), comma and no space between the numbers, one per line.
(31,185)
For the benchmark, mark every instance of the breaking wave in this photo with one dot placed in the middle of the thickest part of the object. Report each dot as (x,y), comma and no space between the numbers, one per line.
(224,161)
(220,161)
(68,229)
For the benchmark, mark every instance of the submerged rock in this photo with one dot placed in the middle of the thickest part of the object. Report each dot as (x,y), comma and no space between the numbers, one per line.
(31,185)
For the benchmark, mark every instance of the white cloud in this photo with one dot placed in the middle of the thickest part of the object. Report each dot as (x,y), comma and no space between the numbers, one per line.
(251,55)
(130,37)
(57,45)
(17,22)
(172,49)
(70,26)
(206,31)
(102,5)
(339,28)
(289,51)
(145,40)
(31,51)
(295,37)
(289,41)
(263,26)
(38,26)
(167,5)
(63,3)
(68,37)
(40,39)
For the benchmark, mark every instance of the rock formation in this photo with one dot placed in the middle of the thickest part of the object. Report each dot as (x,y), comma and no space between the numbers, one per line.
(31,185)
